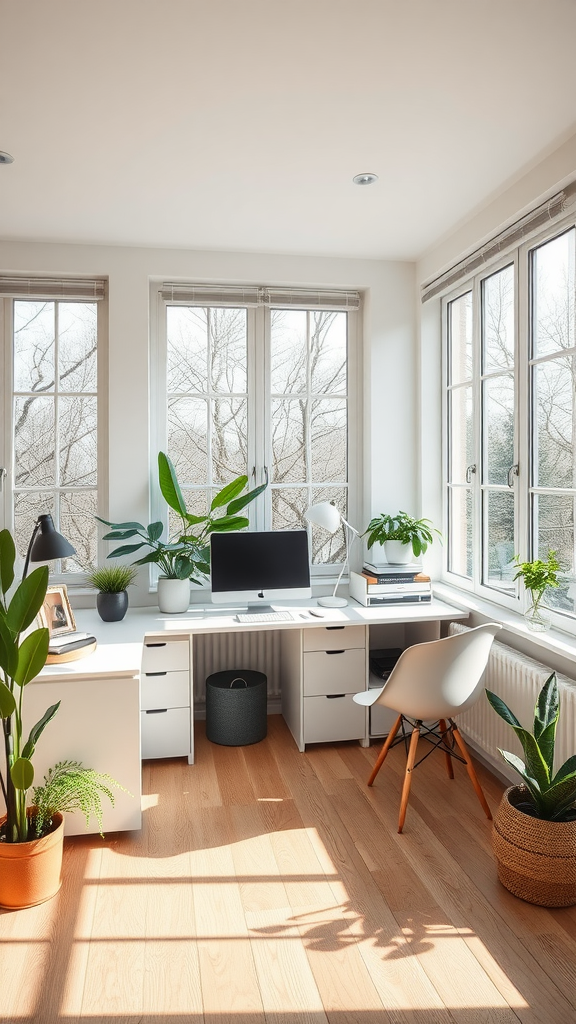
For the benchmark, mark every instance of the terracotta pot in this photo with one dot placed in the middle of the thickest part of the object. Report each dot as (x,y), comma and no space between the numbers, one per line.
(30,873)
(536,859)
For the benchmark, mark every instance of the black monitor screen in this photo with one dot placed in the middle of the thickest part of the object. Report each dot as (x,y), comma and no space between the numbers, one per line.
(276,560)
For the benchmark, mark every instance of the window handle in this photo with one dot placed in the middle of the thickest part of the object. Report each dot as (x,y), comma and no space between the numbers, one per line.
(512,472)
(469,470)
(3,475)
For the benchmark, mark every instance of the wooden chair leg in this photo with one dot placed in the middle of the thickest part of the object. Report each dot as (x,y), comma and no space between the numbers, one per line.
(444,730)
(385,748)
(408,776)
(470,769)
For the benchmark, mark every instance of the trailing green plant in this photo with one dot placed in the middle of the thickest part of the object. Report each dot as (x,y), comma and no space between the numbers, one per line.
(551,797)
(69,786)
(22,657)
(187,554)
(112,579)
(419,533)
(538,575)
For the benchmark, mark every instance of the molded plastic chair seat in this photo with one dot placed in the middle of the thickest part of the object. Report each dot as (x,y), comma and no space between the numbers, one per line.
(434,682)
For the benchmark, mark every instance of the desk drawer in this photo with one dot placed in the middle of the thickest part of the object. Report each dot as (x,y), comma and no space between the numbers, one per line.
(326,638)
(340,671)
(165,690)
(166,656)
(329,719)
(165,733)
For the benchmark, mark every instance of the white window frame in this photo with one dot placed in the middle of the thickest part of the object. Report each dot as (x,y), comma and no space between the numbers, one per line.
(259,408)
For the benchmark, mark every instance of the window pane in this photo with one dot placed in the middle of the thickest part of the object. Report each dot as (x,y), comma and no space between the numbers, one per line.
(329,548)
(460,531)
(187,434)
(499,427)
(33,346)
(328,439)
(288,441)
(288,507)
(78,441)
(228,350)
(554,416)
(229,439)
(34,436)
(554,527)
(77,346)
(27,508)
(499,542)
(553,282)
(187,349)
(77,523)
(288,351)
(498,320)
(460,334)
(461,440)
(328,352)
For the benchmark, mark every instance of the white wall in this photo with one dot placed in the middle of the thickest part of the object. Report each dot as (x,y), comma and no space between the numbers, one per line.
(390,381)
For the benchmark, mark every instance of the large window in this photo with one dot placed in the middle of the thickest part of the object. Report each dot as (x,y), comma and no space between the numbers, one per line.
(510,420)
(50,455)
(264,389)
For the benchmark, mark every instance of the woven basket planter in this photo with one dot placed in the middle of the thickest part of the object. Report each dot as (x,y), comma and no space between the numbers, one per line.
(536,859)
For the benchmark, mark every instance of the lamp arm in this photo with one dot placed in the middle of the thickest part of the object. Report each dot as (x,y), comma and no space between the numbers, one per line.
(345,562)
(31,544)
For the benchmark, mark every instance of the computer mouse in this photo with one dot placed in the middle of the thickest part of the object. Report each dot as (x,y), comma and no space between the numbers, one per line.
(317,613)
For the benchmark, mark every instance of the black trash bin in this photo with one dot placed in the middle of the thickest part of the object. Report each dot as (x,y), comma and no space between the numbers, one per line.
(236,707)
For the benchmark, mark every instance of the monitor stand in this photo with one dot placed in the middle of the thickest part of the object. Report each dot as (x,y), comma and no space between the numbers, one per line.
(263,609)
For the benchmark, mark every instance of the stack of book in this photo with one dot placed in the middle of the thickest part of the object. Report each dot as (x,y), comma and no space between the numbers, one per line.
(397,584)
(69,647)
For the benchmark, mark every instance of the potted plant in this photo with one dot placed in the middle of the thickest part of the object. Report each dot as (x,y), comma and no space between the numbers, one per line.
(185,556)
(534,834)
(402,536)
(537,576)
(111,582)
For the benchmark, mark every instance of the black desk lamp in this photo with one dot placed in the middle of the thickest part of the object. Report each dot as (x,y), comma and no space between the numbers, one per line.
(46,543)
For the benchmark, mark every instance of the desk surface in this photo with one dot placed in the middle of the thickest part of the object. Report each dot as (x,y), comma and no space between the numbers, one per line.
(119,650)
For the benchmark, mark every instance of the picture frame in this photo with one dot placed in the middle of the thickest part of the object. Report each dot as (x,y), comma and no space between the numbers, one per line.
(56,613)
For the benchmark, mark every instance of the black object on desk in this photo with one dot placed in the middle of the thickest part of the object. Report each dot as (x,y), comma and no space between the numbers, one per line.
(236,707)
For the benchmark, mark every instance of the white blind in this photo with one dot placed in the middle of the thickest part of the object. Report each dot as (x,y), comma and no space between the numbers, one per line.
(507,239)
(239,295)
(83,289)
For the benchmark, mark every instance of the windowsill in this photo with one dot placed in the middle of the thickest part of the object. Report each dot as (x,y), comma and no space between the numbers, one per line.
(553,640)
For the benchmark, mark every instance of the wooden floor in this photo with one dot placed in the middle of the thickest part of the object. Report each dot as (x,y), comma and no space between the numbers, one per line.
(272,886)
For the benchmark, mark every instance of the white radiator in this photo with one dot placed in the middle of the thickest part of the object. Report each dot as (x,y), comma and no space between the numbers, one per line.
(517,679)
(214,652)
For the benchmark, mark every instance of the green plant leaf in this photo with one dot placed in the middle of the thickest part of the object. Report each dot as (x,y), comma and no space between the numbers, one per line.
(32,655)
(502,709)
(518,765)
(228,523)
(7,702)
(240,503)
(155,530)
(169,485)
(7,558)
(125,549)
(194,520)
(120,534)
(27,600)
(152,556)
(22,773)
(546,742)
(8,649)
(37,730)
(547,706)
(229,492)
(120,526)
(565,771)
(559,797)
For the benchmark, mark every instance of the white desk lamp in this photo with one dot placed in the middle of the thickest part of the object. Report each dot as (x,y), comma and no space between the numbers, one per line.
(326,514)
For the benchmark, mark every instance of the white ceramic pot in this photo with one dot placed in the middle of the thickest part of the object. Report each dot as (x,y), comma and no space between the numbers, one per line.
(398,553)
(173,595)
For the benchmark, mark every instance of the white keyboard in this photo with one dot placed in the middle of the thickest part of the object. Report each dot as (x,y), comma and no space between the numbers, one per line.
(264,617)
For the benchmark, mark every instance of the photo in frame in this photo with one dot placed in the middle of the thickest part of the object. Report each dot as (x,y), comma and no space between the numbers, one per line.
(56,612)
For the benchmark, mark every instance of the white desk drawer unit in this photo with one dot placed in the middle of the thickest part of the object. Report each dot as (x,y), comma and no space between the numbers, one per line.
(333,669)
(165,700)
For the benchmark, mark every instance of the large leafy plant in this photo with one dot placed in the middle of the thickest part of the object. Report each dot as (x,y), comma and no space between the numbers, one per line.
(419,533)
(552,797)
(185,555)
(538,575)
(22,657)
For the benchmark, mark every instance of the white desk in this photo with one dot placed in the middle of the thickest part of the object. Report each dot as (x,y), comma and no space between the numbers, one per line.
(323,662)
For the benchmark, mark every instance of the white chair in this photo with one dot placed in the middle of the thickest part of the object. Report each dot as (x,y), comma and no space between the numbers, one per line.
(428,686)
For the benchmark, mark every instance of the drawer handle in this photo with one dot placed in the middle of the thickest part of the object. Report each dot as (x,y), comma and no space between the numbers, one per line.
(334,652)
(155,673)
(161,643)
(334,696)
(157,711)
(335,627)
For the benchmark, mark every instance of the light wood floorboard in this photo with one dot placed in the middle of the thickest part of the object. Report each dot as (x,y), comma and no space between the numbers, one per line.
(271,887)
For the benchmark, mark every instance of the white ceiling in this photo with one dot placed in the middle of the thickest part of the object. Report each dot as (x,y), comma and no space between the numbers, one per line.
(239,124)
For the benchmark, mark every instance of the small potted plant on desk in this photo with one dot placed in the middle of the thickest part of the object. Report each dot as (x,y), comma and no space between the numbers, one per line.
(402,536)
(31,837)
(537,576)
(185,557)
(111,582)
(534,832)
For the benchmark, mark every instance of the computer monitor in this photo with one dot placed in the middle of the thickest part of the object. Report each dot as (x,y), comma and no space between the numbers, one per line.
(256,568)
